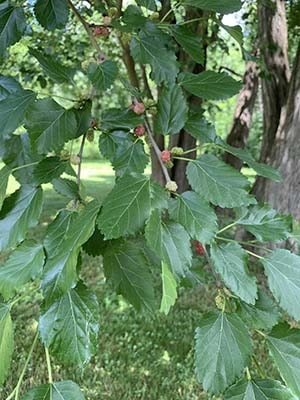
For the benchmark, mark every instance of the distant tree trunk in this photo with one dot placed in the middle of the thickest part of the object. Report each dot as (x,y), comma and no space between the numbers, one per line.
(285,156)
(274,49)
(239,132)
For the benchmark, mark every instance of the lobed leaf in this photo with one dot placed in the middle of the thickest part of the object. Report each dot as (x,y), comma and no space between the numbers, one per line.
(52,14)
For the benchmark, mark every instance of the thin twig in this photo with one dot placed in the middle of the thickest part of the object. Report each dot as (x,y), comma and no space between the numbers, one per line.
(146,83)
(80,154)
(50,379)
(101,56)
(157,151)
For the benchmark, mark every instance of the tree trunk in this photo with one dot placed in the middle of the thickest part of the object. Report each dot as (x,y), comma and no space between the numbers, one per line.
(274,46)
(239,132)
(285,196)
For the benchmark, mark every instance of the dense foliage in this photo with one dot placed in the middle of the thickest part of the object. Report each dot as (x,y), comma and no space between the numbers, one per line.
(141,229)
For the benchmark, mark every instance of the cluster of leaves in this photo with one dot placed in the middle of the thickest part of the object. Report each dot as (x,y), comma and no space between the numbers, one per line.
(141,227)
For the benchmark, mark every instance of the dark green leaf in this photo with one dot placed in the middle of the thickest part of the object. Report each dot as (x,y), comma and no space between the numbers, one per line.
(149,4)
(114,119)
(12,27)
(48,169)
(96,244)
(266,224)
(130,157)
(284,346)
(236,32)
(218,182)
(169,287)
(60,272)
(230,261)
(110,142)
(52,14)
(83,117)
(210,85)
(4,175)
(19,213)
(172,111)
(103,75)
(200,128)
(171,242)
(190,41)
(126,267)
(25,263)
(283,271)
(195,214)
(8,86)
(50,125)
(12,110)
(258,389)
(6,341)
(66,188)
(219,6)
(263,315)
(69,327)
(59,73)
(66,390)
(223,348)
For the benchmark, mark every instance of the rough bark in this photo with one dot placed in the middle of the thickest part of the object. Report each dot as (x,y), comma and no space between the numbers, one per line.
(239,132)
(285,196)
(273,36)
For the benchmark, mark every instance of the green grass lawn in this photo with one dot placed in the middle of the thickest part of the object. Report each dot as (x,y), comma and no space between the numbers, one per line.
(139,356)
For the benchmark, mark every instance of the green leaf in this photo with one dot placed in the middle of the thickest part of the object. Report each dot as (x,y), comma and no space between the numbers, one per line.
(6,341)
(266,224)
(69,327)
(52,14)
(126,267)
(284,345)
(96,245)
(149,4)
(4,175)
(169,287)
(219,6)
(12,110)
(130,157)
(149,48)
(210,85)
(200,128)
(48,169)
(65,390)
(172,111)
(83,117)
(57,72)
(103,75)
(283,271)
(230,261)
(218,182)
(263,315)
(223,348)
(8,86)
(19,213)
(60,272)
(110,142)
(66,188)
(195,214)
(235,32)
(258,389)
(126,207)
(12,27)
(25,263)
(190,42)
(50,125)
(115,118)
(171,242)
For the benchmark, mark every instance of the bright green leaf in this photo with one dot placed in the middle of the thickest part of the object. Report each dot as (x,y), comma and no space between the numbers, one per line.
(169,286)
(6,341)
(195,214)
(172,111)
(284,346)
(25,263)
(52,14)
(19,213)
(103,75)
(223,348)
(218,182)
(69,327)
(12,27)
(66,390)
(283,271)
(210,85)
(230,262)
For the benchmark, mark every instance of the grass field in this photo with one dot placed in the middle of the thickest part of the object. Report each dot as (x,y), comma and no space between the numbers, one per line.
(139,356)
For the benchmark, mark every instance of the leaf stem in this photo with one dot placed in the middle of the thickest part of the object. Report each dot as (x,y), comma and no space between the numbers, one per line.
(226,227)
(21,297)
(241,242)
(260,370)
(183,158)
(248,374)
(86,26)
(260,332)
(156,150)
(25,166)
(254,255)
(16,392)
(49,368)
